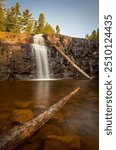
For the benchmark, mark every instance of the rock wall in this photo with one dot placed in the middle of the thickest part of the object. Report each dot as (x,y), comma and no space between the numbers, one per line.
(19,61)
(80,51)
(19,64)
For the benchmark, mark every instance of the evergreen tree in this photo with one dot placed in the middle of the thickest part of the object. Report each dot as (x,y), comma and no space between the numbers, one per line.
(48,29)
(35,27)
(10,23)
(26,21)
(57,29)
(13,19)
(41,23)
(2,17)
(17,18)
(94,37)
(97,34)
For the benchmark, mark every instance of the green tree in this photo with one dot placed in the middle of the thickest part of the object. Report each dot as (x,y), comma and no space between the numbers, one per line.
(13,19)
(10,19)
(41,23)
(17,18)
(97,34)
(35,27)
(57,29)
(48,29)
(94,37)
(2,17)
(26,21)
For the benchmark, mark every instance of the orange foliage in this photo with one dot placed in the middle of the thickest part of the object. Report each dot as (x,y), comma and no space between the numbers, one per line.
(9,37)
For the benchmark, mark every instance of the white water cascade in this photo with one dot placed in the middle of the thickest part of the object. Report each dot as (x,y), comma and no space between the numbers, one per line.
(40,51)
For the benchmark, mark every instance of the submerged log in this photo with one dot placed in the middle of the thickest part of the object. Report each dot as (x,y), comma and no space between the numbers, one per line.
(15,136)
(71,62)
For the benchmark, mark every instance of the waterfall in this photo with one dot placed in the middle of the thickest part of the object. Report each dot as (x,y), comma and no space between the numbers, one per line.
(40,51)
(38,39)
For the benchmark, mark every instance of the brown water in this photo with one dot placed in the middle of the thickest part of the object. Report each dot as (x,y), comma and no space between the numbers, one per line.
(74,127)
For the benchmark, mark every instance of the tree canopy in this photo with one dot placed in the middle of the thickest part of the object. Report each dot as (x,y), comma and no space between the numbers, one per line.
(13,19)
(2,18)
(94,36)
(16,21)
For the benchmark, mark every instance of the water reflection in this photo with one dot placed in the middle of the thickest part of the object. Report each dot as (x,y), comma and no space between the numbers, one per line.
(42,95)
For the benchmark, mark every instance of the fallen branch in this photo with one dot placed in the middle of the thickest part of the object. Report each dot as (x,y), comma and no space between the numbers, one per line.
(71,62)
(15,136)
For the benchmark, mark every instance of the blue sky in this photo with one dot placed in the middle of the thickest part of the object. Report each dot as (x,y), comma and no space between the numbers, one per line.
(74,17)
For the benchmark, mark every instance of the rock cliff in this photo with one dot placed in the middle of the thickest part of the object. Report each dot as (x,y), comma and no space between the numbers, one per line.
(82,52)
(17,60)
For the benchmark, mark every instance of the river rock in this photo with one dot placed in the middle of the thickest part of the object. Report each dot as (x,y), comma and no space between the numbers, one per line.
(65,142)
(23,104)
(22,115)
(58,117)
(47,130)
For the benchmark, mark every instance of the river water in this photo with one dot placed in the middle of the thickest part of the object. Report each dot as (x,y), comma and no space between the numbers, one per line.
(74,127)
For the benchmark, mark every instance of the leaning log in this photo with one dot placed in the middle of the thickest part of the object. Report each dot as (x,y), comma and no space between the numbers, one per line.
(71,62)
(15,136)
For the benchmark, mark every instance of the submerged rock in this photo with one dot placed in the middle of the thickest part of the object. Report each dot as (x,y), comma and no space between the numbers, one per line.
(65,142)
(22,115)
(47,130)
(23,104)
(58,117)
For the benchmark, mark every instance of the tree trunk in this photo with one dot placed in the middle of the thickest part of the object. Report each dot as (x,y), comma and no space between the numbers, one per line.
(71,62)
(15,136)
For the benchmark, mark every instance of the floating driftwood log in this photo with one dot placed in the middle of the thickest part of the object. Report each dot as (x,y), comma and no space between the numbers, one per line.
(71,62)
(15,136)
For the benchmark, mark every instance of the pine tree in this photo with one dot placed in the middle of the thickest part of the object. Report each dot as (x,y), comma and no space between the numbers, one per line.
(13,19)
(17,18)
(48,29)
(41,23)
(94,37)
(10,19)
(26,21)
(35,27)
(57,29)
(2,17)
(97,34)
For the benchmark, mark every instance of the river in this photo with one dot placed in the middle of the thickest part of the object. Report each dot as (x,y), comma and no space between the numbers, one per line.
(76,122)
